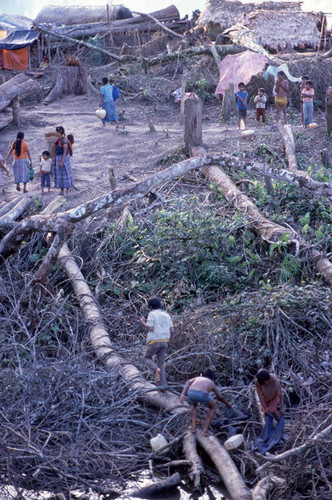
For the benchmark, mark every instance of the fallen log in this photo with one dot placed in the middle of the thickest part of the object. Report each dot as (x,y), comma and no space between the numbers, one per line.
(262,488)
(288,141)
(161,25)
(157,488)
(8,206)
(313,441)
(7,221)
(19,85)
(190,451)
(231,477)
(102,345)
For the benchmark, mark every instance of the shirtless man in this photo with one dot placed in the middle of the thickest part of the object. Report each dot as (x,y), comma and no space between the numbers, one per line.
(269,391)
(197,389)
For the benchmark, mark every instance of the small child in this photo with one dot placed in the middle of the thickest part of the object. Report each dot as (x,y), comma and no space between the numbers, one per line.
(197,390)
(307,95)
(242,104)
(160,327)
(70,138)
(45,170)
(260,101)
(269,391)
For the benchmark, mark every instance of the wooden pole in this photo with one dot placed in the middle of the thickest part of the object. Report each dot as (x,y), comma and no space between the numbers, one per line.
(328,110)
(192,122)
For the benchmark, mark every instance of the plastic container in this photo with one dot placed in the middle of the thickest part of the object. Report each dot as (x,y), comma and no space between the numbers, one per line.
(242,124)
(100,113)
(159,442)
(234,442)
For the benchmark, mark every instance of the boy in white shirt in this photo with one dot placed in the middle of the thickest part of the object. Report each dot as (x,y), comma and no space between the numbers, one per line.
(160,327)
(45,170)
(260,102)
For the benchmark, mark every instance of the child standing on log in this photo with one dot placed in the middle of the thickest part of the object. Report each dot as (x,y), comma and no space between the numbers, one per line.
(160,334)
(198,391)
(269,391)
(242,104)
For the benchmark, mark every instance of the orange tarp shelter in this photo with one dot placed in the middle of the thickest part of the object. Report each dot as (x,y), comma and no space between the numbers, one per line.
(14,52)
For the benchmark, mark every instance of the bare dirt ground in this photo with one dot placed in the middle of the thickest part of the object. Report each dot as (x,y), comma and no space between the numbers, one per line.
(132,149)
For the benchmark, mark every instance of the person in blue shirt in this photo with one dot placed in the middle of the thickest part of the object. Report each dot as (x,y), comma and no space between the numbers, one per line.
(242,103)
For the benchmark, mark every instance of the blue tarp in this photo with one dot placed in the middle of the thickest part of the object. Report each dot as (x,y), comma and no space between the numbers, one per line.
(19,39)
(269,436)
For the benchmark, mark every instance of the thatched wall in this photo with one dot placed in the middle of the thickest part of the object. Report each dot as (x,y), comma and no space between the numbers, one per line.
(57,14)
(274,30)
(284,30)
(222,14)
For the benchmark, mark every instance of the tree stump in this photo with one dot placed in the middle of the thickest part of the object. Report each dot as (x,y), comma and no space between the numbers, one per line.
(228,103)
(326,155)
(16,111)
(192,122)
(328,110)
(17,86)
(71,80)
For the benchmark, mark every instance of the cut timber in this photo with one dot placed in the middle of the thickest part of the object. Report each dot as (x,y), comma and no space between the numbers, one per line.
(20,85)
(288,140)
(161,25)
(328,110)
(262,488)
(71,80)
(157,488)
(231,477)
(7,221)
(228,103)
(8,206)
(102,345)
(192,122)
(313,441)
(16,112)
(190,451)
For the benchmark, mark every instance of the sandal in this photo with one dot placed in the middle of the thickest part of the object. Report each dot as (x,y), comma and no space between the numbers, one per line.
(25,191)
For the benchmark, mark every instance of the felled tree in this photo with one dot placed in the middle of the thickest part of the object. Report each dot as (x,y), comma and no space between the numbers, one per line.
(71,80)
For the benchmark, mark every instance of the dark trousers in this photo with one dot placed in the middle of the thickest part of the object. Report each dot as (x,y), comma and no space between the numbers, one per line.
(260,112)
(157,349)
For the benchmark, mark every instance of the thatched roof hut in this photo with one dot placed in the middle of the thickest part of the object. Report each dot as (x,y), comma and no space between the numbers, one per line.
(76,14)
(278,30)
(219,15)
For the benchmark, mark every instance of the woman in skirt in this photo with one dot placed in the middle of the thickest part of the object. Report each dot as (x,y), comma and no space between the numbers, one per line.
(63,176)
(106,101)
(22,161)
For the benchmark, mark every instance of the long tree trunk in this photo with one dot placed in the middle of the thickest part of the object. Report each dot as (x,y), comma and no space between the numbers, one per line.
(19,85)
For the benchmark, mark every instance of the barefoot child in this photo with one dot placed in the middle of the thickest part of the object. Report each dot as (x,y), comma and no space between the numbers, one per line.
(302,87)
(197,390)
(307,95)
(269,391)
(260,102)
(242,104)
(281,92)
(160,327)
(45,170)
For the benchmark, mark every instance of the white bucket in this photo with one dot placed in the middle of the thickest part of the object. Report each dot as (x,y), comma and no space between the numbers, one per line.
(159,442)
(234,442)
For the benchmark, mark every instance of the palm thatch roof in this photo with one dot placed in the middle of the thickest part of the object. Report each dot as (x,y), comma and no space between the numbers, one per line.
(278,29)
(76,14)
(226,13)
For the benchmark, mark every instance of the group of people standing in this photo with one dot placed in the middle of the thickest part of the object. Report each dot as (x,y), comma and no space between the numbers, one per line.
(281,90)
(22,165)
(160,334)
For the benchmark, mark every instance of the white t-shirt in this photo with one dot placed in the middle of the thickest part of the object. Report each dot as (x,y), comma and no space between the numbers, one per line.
(162,324)
(46,165)
(260,104)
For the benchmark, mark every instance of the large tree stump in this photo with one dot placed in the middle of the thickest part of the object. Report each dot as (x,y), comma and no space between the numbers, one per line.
(328,110)
(15,87)
(228,103)
(192,122)
(71,80)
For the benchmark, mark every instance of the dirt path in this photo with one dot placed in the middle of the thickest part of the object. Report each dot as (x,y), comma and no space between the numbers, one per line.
(129,150)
